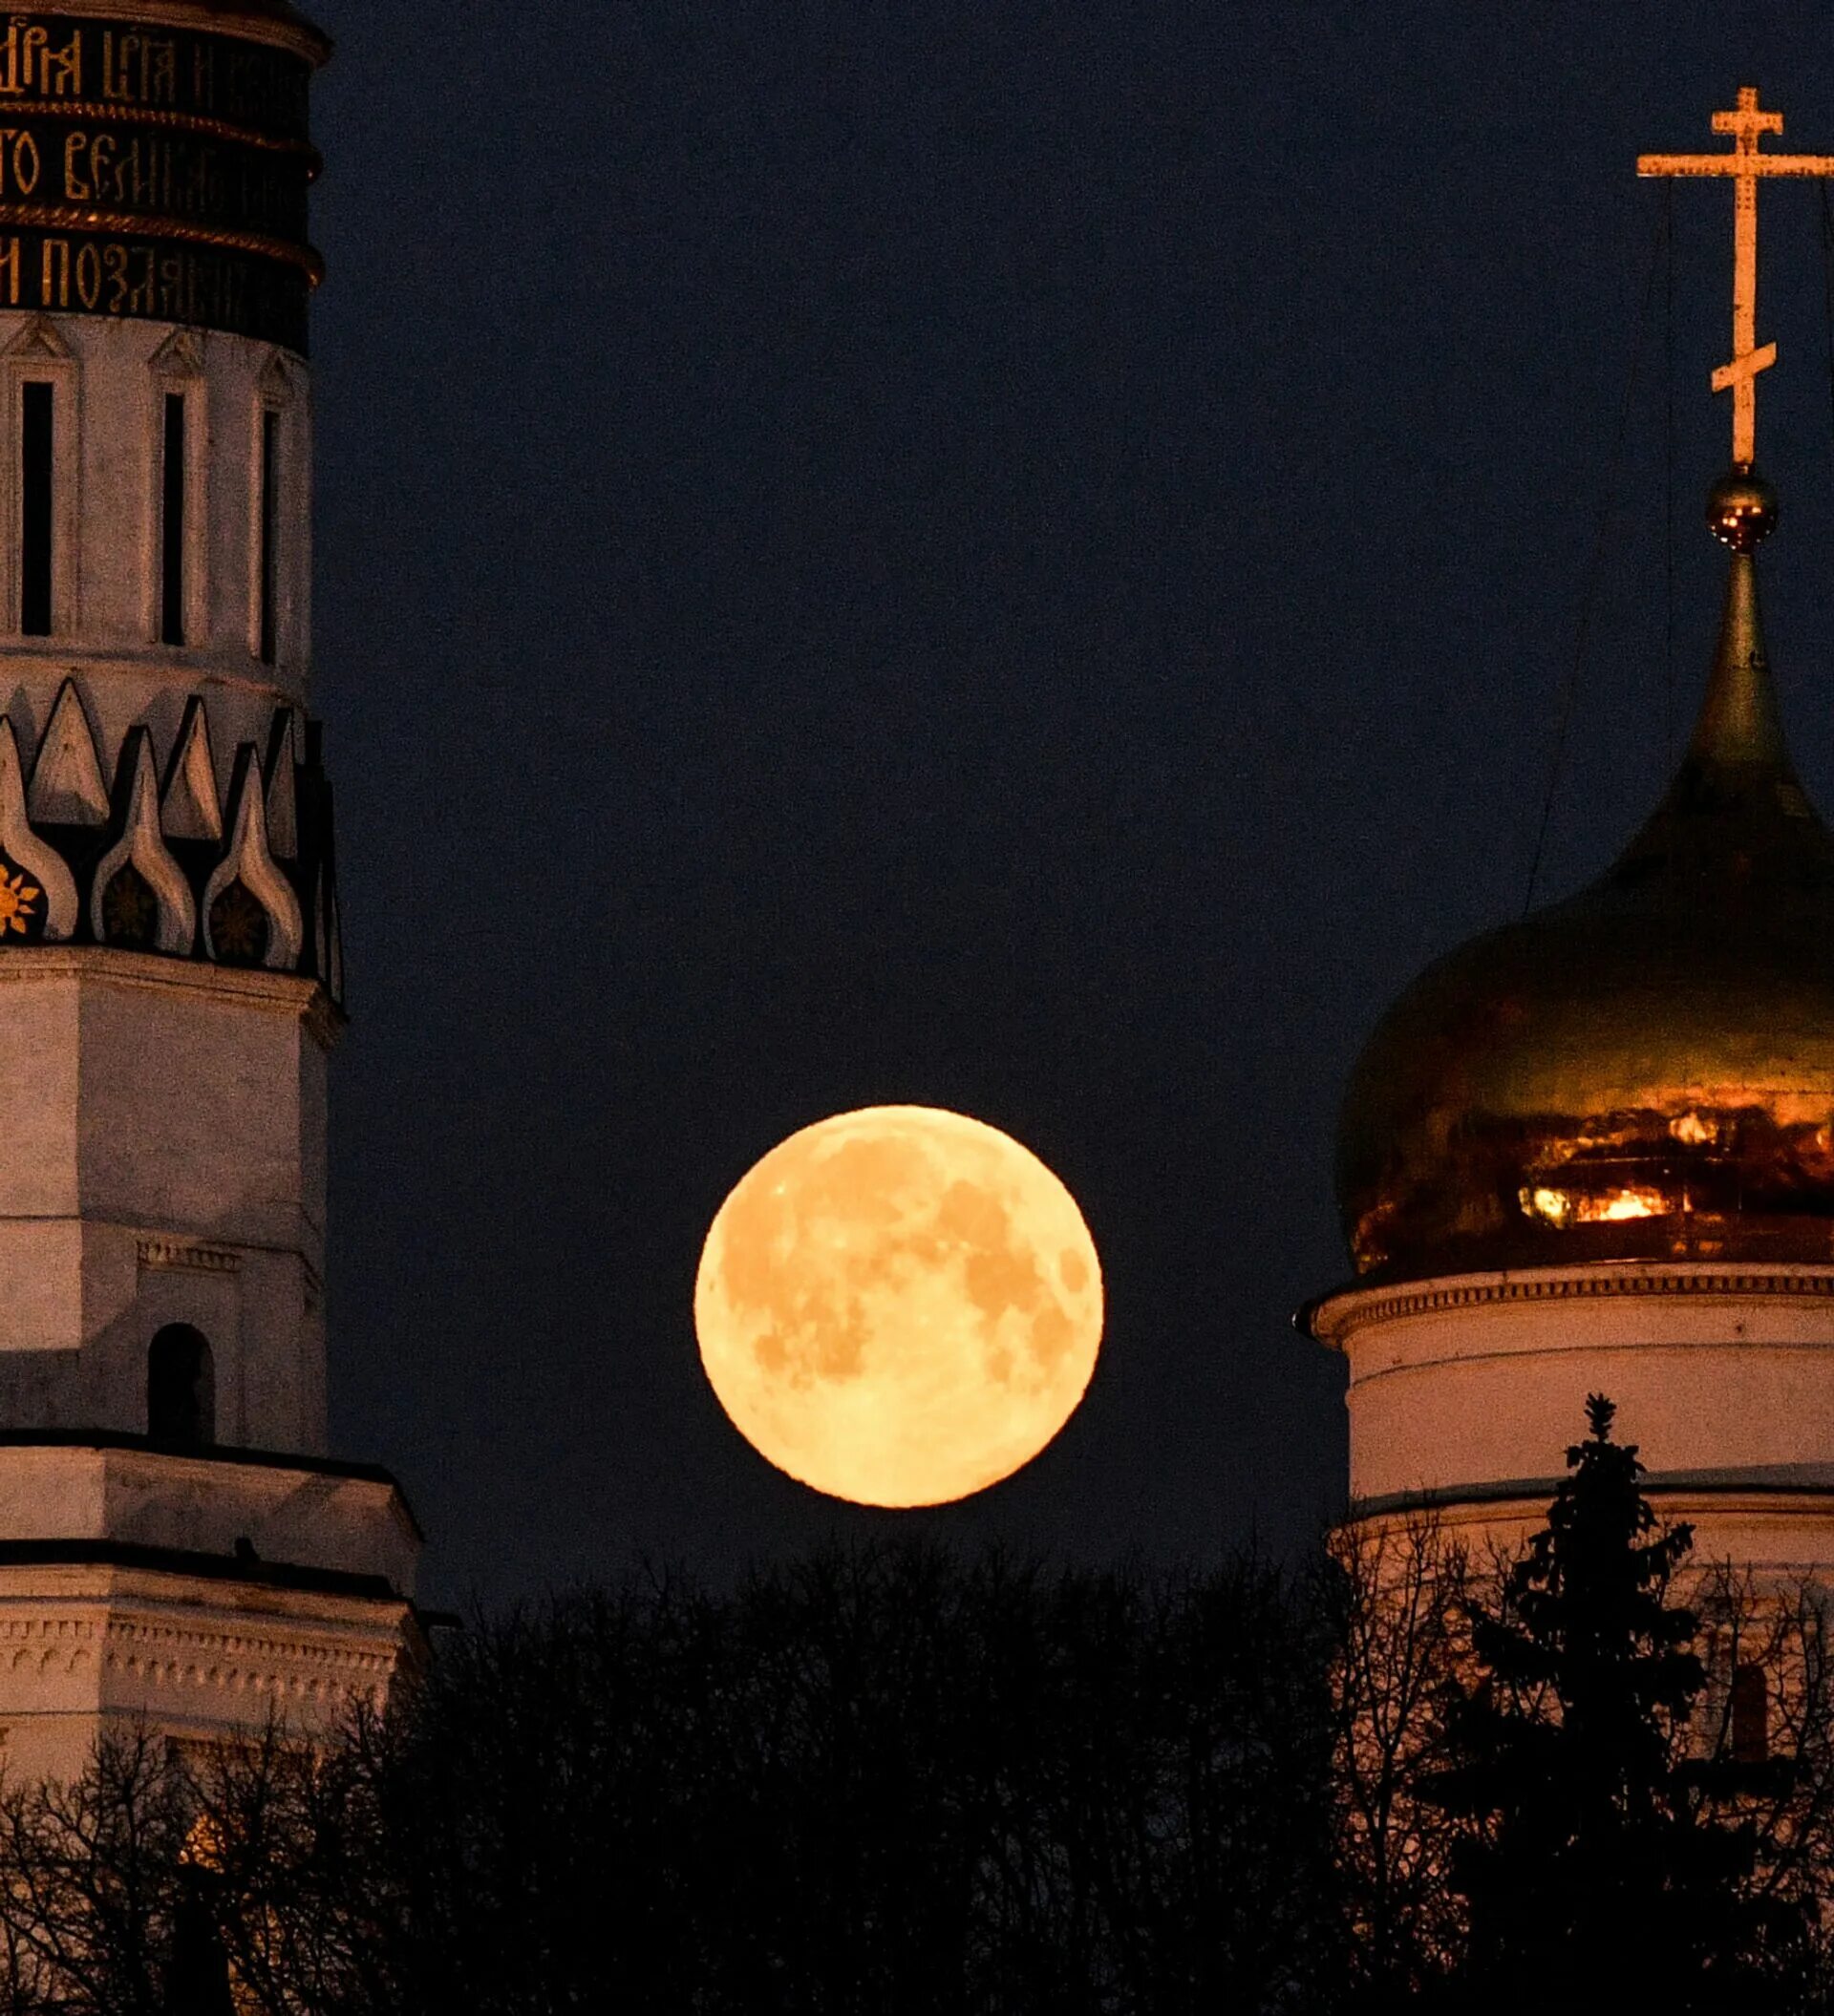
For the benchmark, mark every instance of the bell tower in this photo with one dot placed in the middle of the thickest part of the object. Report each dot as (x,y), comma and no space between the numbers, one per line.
(175,1539)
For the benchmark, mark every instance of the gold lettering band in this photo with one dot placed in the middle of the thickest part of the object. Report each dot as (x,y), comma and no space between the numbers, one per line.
(124,224)
(154,115)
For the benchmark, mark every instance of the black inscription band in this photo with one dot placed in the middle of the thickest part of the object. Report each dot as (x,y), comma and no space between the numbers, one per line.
(155,173)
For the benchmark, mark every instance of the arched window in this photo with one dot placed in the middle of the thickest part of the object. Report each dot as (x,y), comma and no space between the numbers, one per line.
(178,599)
(275,524)
(181,1388)
(40,513)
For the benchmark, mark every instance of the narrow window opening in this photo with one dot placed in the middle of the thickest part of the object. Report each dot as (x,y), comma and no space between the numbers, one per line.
(36,442)
(269,557)
(172,524)
(1750,1716)
(181,1388)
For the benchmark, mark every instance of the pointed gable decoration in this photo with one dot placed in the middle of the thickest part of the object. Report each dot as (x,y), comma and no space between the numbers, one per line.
(180,358)
(249,876)
(190,810)
(67,786)
(280,774)
(139,898)
(41,868)
(39,343)
(275,384)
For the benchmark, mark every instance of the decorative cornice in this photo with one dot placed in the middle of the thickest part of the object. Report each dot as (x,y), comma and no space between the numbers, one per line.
(196,1260)
(104,1440)
(146,223)
(1537,1493)
(285,992)
(196,1565)
(124,114)
(160,1653)
(1332,1318)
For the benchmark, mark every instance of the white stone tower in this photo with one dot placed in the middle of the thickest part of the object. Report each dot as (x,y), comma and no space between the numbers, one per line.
(1594,1150)
(174,1537)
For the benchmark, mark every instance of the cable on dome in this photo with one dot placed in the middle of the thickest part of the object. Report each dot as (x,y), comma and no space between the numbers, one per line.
(1595,567)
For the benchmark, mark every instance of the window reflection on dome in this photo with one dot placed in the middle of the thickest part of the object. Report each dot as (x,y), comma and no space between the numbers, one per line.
(1597,1207)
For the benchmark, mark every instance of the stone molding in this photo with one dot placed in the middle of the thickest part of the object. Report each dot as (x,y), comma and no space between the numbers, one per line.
(229,1662)
(1334,1318)
(183,1254)
(277,993)
(1741,1492)
(294,1528)
(342,1661)
(284,992)
(218,1452)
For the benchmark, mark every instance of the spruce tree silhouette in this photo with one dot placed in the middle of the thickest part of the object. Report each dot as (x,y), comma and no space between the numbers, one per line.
(1589,1863)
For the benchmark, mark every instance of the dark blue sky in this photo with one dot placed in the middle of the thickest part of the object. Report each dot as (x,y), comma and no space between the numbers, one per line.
(1012,556)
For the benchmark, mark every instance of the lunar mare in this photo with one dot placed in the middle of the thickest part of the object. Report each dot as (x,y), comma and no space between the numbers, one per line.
(899,1306)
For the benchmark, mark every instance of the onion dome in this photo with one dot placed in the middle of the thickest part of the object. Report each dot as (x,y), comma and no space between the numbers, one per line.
(1645,1070)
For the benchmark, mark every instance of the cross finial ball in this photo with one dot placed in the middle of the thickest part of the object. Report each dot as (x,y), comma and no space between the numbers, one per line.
(1741,510)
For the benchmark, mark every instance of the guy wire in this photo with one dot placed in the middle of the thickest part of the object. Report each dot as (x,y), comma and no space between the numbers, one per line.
(1595,572)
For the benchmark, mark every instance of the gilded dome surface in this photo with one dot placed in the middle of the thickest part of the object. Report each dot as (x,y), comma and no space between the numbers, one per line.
(1643,1072)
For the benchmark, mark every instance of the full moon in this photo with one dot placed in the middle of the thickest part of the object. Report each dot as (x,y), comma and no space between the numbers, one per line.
(899,1306)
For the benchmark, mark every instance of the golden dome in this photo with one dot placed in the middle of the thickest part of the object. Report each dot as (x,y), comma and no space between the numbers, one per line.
(1647,1069)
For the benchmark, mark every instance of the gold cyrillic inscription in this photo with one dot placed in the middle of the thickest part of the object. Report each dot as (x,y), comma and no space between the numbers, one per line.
(29,66)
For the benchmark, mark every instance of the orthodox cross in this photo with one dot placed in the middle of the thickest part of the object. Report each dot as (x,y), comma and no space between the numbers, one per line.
(1744,164)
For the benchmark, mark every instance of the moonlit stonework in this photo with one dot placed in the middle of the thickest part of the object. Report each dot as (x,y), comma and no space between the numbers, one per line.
(899,1306)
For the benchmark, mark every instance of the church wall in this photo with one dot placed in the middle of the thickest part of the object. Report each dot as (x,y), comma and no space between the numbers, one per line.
(1483,1380)
(38,1172)
(86,1648)
(111,379)
(191,1119)
(166,1165)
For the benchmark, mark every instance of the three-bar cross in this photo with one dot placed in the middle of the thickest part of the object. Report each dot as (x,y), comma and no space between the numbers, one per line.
(1744,164)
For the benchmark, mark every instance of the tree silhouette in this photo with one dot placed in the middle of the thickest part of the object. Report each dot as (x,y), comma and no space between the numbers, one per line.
(1588,1855)
(895,1782)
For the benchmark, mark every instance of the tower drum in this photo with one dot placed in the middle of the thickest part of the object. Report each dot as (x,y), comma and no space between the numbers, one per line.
(175,1539)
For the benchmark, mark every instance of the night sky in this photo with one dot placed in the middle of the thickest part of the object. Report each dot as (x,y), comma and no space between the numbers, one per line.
(1022,556)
